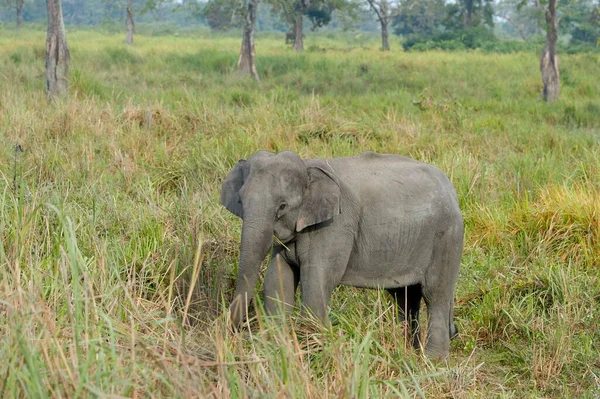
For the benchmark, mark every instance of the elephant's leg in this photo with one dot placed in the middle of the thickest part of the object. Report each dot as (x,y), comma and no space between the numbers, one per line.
(438,326)
(323,255)
(317,287)
(415,294)
(409,303)
(438,292)
(281,282)
(321,273)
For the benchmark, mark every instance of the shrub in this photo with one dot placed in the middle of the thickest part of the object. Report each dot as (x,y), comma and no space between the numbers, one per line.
(510,46)
(461,39)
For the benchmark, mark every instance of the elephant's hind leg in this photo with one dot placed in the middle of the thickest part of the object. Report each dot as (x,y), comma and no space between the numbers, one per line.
(438,292)
(408,300)
(281,282)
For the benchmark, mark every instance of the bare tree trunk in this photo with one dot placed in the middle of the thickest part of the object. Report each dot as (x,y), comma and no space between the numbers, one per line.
(384,19)
(129,22)
(468,20)
(19,7)
(381,9)
(57,52)
(549,59)
(298,40)
(246,63)
(385,45)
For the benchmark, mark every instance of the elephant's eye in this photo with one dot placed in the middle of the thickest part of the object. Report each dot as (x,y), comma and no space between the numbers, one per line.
(280,210)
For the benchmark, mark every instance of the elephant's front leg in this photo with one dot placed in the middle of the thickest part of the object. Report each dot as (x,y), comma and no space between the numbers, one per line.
(323,262)
(281,282)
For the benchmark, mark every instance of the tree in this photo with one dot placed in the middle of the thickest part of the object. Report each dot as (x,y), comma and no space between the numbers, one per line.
(116,8)
(246,62)
(384,13)
(549,59)
(292,12)
(467,14)
(222,15)
(57,52)
(419,17)
(515,20)
(581,20)
(127,8)
(319,12)
(18,6)
(420,21)
(129,24)
(577,20)
(299,9)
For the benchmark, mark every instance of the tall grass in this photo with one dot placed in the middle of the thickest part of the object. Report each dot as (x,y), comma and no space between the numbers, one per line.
(117,262)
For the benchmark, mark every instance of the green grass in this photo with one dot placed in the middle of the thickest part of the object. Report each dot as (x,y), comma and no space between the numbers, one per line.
(117,263)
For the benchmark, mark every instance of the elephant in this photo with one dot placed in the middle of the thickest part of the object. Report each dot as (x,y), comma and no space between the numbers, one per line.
(371,221)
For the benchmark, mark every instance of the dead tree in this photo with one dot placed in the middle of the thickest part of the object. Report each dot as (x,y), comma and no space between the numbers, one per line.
(129,23)
(57,52)
(246,62)
(549,59)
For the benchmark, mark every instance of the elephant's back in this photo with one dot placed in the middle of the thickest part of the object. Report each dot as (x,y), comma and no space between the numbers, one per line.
(396,190)
(377,166)
(390,177)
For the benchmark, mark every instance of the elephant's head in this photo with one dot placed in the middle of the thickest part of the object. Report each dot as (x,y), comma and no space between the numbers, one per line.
(274,194)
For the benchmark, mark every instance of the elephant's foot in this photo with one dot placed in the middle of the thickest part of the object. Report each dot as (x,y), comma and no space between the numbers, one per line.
(436,353)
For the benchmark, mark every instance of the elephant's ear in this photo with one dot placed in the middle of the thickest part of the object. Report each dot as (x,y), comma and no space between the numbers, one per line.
(321,198)
(230,190)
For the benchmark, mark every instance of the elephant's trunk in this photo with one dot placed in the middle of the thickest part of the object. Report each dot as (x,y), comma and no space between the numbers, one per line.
(257,237)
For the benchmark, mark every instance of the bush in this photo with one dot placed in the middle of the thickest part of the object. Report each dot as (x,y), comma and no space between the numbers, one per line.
(447,45)
(461,39)
(510,46)
(579,47)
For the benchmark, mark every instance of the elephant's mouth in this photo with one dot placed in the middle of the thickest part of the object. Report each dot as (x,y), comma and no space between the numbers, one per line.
(283,240)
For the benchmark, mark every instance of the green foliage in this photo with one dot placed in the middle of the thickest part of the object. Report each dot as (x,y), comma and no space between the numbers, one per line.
(511,46)
(582,21)
(319,13)
(117,262)
(434,24)
(96,12)
(461,39)
(467,24)
(469,14)
(417,18)
(223,14)
(579,22)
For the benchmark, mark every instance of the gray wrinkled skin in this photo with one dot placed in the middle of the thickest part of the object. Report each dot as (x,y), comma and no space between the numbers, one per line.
(372,221)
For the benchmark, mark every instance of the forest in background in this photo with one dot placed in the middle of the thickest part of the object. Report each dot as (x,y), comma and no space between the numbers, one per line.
(497,26)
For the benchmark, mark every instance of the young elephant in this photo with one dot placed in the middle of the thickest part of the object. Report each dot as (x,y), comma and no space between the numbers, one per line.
(372,221)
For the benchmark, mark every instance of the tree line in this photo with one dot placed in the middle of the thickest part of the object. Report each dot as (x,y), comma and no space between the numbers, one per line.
(423,24)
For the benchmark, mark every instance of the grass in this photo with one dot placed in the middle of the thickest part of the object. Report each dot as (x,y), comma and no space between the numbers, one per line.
(117,263)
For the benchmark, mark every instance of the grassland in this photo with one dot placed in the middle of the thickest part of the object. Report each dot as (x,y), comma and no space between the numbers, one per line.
(117,262)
